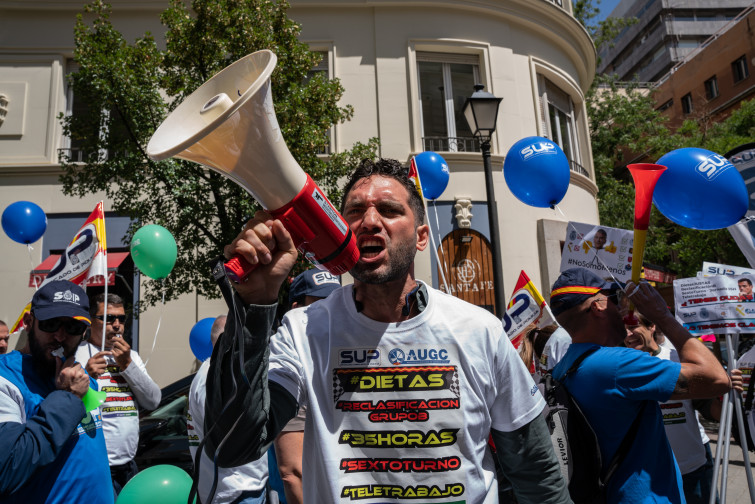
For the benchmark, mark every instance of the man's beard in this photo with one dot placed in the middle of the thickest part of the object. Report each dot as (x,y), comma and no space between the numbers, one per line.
(42,357)
(397,268)
(43,360)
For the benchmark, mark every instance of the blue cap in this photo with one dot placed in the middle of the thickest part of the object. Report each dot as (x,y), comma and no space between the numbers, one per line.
(576,285)
(313,282)
(61,298)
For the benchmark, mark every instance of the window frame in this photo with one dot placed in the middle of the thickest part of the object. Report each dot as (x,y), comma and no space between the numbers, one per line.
(446,59)
(687,104)
(711,88)
(546,104)
(739,69)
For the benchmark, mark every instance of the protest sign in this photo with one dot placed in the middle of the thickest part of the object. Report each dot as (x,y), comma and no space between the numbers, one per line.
(710,269)
(716,304)
(605,250)
(526,306)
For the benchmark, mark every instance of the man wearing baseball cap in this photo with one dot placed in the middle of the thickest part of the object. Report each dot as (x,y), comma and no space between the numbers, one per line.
(51,449)
(310,286)
(615,385)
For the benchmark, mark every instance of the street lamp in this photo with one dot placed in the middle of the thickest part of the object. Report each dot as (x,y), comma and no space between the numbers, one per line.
(481,112)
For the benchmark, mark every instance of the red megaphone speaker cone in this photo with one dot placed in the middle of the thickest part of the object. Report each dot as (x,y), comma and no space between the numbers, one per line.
(229,125)
(645,176)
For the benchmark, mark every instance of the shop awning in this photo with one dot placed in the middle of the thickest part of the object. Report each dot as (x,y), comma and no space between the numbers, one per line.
(114,260)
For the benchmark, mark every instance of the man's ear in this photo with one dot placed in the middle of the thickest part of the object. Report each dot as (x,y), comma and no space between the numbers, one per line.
(423,235)
(28,321)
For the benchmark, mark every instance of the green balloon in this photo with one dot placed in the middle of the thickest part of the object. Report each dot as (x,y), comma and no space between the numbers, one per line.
(154,251)
(160,484)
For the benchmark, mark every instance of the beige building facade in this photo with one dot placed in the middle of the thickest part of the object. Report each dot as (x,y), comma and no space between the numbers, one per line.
(407,67)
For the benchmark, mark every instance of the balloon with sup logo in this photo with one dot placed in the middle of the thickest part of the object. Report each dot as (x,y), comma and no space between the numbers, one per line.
(537,172)
(700,190)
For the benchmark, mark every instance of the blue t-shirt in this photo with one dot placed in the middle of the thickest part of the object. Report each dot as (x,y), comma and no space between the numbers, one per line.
(611,386)
(64,464)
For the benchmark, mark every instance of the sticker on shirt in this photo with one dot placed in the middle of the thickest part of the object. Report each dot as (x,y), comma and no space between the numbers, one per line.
(398,439)
(673,413)
(359,357)
(442,491)
(89,424)
(400,465)
(414,356)
(404,379)
(411,410)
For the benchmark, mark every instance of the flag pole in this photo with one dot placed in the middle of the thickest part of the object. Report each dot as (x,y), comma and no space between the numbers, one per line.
(107,274)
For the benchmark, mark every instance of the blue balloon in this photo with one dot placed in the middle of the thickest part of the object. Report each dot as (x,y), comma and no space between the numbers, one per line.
(537,172)
(24,222)
(700,190)
(433,173)
(200,340)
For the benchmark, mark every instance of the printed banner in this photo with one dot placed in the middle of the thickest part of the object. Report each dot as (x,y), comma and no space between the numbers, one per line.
(716,304)
(526,306)
(710,269)
(85,257)
(605,250)
(743,232)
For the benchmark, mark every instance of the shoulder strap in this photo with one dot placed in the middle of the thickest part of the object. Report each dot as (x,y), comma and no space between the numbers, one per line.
(626,443)
(579,360)
(631,434)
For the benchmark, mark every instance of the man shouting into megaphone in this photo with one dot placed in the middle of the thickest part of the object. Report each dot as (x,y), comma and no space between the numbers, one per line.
(403,384)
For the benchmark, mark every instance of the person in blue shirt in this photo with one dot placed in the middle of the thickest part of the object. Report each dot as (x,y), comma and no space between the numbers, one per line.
(615,384)
(51,449)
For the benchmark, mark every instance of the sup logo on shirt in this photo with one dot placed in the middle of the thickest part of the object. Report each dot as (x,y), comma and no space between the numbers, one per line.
(359,357)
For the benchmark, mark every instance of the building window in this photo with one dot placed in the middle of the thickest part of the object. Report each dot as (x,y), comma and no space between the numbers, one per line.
(739,69)
(445,83)
(107,126)
(711,88)
(322,68)
(687,103)
(559,125)
(667,105)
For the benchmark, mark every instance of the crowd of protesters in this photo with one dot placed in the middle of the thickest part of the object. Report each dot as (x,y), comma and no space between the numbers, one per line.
(382,390)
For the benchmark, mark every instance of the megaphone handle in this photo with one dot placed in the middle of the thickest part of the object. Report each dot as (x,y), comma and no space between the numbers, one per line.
(239,268)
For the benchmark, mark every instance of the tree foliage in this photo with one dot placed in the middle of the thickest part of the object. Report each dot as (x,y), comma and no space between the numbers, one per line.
(625,128)
(127,89)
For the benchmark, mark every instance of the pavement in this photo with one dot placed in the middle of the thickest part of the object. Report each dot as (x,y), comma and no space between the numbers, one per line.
(737,491)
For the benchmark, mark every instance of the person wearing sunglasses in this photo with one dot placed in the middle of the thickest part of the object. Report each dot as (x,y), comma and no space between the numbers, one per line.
(51,448)
(121,373)
(616,386)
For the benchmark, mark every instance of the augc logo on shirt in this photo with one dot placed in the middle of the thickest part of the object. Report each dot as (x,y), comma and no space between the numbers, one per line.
(397,356)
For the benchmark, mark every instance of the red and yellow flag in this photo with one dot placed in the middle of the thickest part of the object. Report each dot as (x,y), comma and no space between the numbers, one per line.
(414,175)
(526,306)
(85,257)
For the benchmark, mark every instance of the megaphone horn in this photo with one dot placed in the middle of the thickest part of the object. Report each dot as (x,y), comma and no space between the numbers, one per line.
(229,125)
(645,176)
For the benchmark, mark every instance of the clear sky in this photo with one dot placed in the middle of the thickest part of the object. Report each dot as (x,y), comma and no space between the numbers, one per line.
(606,6)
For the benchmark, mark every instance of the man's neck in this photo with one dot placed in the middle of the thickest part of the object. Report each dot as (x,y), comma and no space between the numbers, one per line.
(386,302)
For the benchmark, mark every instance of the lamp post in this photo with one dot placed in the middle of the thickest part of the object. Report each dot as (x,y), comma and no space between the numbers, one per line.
(481,112)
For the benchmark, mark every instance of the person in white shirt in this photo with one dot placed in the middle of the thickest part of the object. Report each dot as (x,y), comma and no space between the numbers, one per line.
(120,372)
(403,384)
(242,484)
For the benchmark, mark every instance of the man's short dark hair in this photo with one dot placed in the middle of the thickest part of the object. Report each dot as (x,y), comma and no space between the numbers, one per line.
(392,169)
(601,231)
(749,282)
(3,323)
(112,299)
